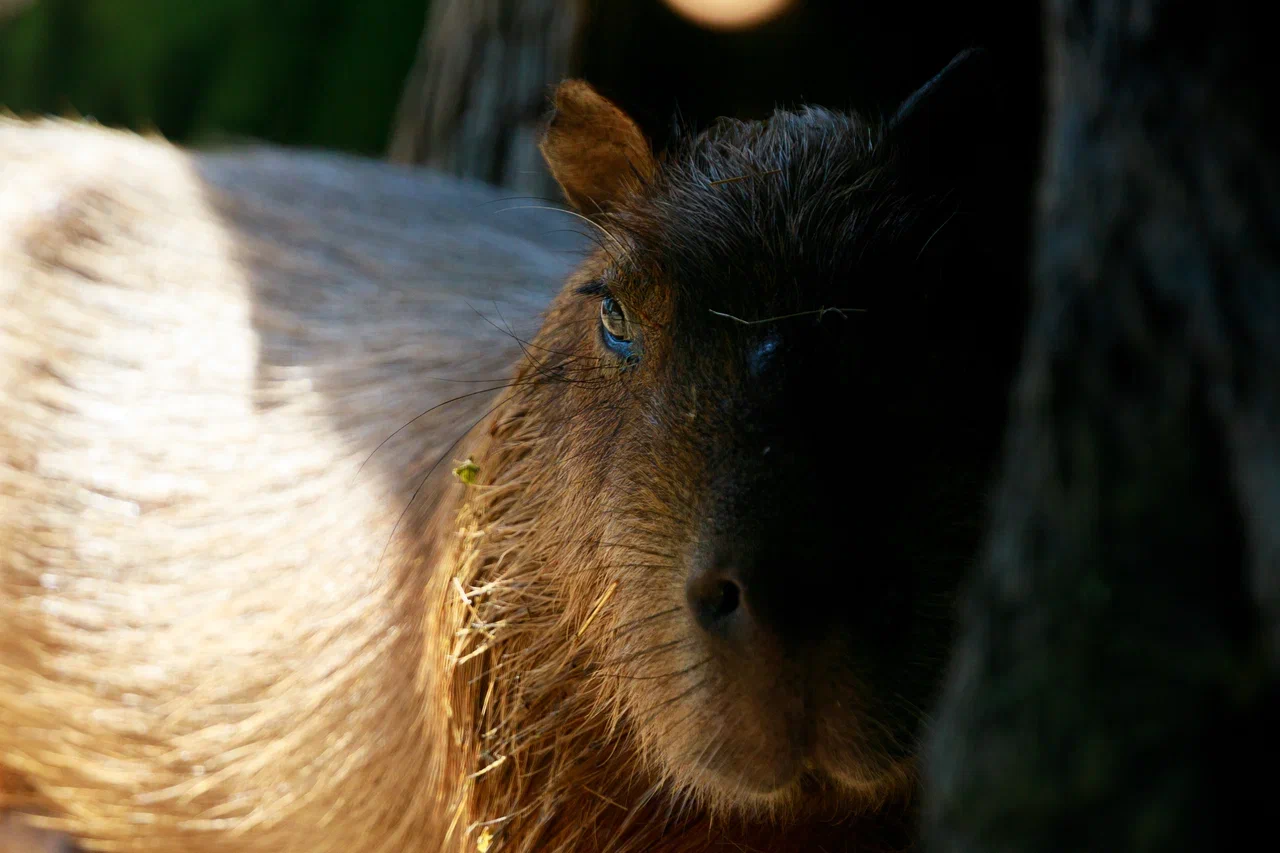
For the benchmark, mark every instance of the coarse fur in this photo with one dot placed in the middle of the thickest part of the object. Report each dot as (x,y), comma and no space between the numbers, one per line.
(222,638)
(207,634)
(609,478)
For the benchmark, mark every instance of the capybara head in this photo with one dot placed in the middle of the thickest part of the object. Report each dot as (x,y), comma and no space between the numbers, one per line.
(723,511)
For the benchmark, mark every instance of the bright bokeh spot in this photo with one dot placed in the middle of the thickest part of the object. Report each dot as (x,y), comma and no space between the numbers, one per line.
(729,14)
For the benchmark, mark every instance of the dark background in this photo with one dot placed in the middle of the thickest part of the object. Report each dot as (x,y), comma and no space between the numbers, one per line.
(329,73)
(837,53)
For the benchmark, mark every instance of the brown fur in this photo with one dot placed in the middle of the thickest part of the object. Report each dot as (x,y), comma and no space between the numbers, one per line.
(219,637)
(203,645)
(596,152)
(15,837)
(578,699)
(563,683)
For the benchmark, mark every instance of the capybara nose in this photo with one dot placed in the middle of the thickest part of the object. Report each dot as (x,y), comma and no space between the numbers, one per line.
(715,598)
(746,592)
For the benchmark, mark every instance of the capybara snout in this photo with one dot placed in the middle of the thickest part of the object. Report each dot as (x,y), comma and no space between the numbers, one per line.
(693,584)
(777,391)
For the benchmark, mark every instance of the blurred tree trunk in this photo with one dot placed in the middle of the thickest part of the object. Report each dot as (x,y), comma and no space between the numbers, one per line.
(478,90)
(474,102)
(9,7)
(1117,680)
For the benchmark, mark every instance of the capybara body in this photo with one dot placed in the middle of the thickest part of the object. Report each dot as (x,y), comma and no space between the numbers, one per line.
(203,644)
(693,590)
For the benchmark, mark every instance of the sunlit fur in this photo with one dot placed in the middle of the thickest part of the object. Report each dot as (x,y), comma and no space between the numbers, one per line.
(578,667)
(228,627)
(208,635)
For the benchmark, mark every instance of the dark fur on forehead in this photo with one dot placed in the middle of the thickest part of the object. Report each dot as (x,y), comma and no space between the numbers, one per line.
(796,198)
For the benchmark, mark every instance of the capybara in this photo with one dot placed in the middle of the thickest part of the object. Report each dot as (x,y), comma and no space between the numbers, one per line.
(685,583)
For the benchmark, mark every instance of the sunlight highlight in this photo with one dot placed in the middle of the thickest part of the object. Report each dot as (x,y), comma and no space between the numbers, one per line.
(729,14)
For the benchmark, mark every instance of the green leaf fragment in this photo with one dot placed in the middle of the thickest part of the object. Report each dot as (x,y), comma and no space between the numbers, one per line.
(467,472)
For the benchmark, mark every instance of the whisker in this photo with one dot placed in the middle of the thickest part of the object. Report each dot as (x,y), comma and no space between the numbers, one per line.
(946,222)
(820,312)
(427,412)
(587,219)
(427,477)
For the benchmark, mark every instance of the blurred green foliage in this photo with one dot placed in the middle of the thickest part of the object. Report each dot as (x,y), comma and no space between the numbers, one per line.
(324,73)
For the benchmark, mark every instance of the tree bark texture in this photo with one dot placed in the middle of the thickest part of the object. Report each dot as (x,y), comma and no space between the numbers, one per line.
(1116,683)
(474,101)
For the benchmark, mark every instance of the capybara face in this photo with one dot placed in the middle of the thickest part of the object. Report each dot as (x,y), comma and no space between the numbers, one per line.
(770,402)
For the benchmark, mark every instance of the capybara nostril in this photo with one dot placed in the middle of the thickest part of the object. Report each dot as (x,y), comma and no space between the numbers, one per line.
(693,588)
(715,600)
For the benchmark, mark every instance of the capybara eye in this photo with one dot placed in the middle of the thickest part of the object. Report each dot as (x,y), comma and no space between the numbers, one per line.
(614,320)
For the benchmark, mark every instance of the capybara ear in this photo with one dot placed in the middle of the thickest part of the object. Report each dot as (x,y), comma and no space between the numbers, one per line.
(595,151)
(949,128)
